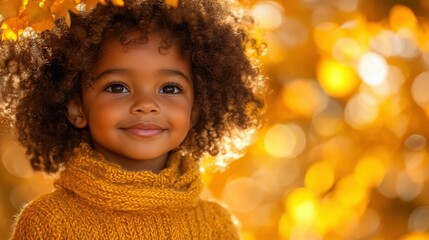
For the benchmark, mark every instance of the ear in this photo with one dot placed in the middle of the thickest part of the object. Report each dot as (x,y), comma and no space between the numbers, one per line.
(195,115)
(75,113)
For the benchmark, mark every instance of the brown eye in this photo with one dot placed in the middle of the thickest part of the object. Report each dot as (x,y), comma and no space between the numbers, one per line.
(170,89)
(116,88)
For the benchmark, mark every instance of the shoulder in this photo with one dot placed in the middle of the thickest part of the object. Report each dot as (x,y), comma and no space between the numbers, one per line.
(216,208)
(42,218)
(223,222)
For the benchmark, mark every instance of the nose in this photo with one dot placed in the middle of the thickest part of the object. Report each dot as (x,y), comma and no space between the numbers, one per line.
(144,103)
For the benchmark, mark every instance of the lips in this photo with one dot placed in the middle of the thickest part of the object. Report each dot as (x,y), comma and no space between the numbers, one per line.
(143,129)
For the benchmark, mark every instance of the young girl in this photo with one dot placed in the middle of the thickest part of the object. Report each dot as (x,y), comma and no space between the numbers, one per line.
(123,102)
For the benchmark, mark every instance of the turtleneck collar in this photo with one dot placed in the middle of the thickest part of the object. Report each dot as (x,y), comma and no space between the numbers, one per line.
(107,185)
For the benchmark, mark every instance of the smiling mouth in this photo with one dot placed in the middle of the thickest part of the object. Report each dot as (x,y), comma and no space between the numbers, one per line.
(143,130)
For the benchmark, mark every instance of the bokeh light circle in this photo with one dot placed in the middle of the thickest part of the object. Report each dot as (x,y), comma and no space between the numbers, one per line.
(267,14)
(336,78)
(361,111)
(301,91)
(372,68)
(285,140)
(330,120)
(419,220)
(242,194)
(419,90)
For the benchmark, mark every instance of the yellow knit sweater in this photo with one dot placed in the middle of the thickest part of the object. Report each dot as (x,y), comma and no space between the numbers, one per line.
(96,199)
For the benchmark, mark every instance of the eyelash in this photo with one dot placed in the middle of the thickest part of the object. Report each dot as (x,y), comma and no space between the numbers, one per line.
(180,88)
(110,84)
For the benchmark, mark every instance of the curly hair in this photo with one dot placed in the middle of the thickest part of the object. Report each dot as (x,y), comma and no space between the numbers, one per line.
(41,72)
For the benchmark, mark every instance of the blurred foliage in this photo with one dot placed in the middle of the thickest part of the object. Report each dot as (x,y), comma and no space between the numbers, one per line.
(344,152)
(41,14)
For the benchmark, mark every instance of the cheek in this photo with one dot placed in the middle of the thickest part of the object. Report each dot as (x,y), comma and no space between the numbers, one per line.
(179,111)
(101,115)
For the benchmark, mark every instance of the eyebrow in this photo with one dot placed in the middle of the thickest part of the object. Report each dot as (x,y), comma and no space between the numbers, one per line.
(124,71)
(173,72)
(121,71)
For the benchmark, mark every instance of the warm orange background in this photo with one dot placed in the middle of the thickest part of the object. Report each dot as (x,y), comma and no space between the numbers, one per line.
(344,152)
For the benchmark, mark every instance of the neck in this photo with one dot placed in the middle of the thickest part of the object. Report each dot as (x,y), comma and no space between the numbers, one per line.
(155,166)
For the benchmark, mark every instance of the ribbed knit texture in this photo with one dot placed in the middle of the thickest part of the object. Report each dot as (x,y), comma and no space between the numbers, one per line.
(96,199)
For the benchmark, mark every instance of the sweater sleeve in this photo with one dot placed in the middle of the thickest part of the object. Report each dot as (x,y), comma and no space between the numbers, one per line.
(36,222)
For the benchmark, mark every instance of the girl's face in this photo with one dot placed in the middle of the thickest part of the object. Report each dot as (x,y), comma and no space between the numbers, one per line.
(140,104)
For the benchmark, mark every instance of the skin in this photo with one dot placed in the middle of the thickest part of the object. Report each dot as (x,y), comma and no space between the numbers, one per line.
(140,106)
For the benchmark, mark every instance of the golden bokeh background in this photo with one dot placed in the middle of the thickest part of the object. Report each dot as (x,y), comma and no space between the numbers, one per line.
(344,151)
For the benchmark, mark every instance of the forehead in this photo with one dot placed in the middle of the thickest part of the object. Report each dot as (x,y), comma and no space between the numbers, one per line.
(135,50)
